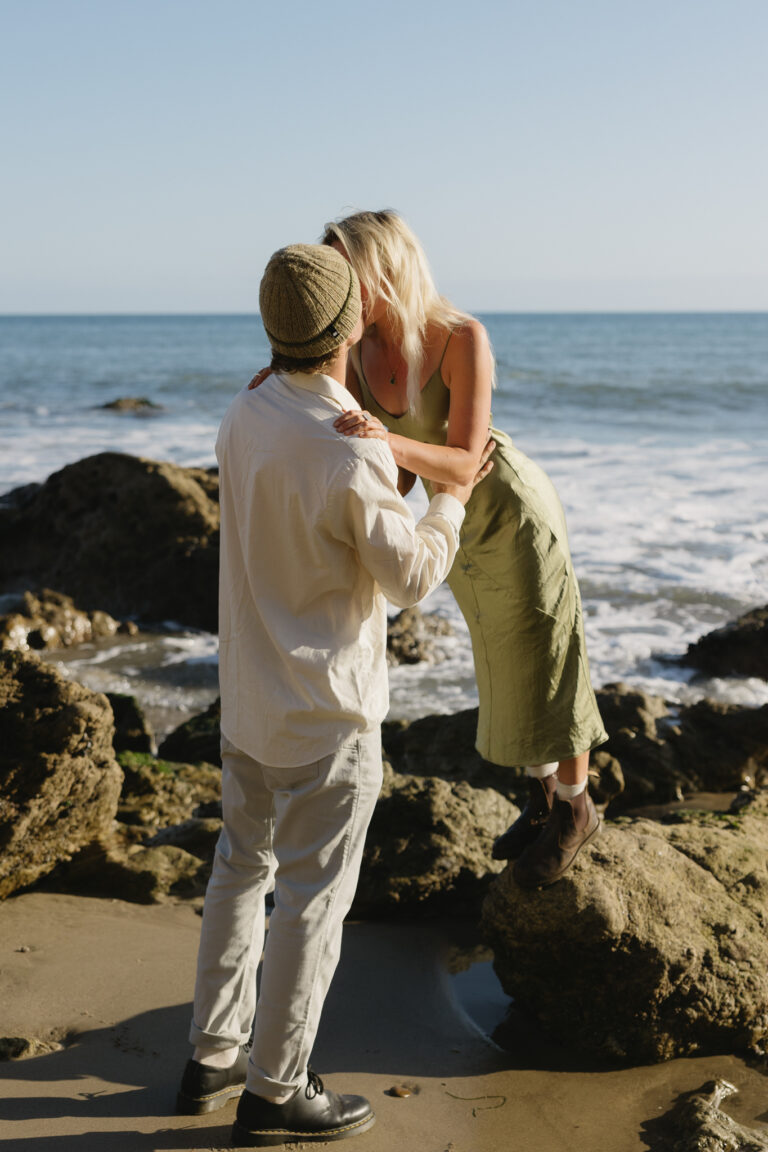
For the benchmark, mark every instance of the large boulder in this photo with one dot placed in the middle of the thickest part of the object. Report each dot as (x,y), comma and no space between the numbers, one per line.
(740,648)
(428,847)
(652,946)
(121,534)
(59,780)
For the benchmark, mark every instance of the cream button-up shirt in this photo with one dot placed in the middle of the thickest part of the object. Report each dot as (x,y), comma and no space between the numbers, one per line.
(314,537)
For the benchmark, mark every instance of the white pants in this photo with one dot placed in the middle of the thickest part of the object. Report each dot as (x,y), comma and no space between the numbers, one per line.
(303,828)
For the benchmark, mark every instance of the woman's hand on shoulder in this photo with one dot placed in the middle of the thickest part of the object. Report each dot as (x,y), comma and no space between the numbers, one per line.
(260,377)
(358,422)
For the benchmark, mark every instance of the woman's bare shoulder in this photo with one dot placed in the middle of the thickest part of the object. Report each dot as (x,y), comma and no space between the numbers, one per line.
(468,345)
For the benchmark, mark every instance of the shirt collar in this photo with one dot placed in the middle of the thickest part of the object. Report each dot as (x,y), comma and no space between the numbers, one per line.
(322,386)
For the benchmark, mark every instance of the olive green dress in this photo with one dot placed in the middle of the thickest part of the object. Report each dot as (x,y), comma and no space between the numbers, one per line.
(514,582)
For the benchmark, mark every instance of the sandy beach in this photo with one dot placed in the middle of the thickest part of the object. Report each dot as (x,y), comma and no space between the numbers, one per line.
(112,982)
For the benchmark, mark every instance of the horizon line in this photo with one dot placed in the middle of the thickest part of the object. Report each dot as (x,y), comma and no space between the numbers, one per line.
(477,312)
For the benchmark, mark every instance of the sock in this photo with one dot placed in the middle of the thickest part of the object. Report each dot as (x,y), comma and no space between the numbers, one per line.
(570,791)
(217,1057)
(541,771)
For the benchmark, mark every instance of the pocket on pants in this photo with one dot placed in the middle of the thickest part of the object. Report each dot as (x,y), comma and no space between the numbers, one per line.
(288,779)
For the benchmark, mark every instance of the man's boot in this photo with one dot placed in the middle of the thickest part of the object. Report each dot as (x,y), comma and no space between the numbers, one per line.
(313,1114)
(527,827)
(571,825)
(205,1089)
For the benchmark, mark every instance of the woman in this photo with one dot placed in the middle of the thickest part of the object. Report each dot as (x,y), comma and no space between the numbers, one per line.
(423,373)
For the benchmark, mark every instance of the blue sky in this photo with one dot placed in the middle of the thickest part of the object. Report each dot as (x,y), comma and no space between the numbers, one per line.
(551,155)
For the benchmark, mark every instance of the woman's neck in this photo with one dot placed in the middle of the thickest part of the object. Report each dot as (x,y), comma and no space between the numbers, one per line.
(386,334)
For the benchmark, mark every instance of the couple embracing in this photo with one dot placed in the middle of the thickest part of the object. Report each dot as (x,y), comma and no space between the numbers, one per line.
(375,379)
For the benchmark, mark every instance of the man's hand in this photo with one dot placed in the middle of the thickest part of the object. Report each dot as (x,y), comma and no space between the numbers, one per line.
(260,377)
(462,492)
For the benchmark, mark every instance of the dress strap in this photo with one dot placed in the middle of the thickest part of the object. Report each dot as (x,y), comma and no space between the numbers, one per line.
(445,349)
(356,359)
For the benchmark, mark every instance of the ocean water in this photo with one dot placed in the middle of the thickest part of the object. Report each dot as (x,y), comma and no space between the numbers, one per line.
(653,427)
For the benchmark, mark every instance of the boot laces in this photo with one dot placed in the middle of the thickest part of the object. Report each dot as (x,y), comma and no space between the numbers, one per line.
(314,1085)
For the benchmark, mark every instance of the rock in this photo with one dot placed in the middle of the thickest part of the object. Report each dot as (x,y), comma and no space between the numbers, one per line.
(50,619)
(120,868)
(132,404)
(696,1123)
(723,746)
(150,875)
(653,756)
(132,733)
(197,740)
(428,847)
(638,725)
(158,794)
(409,636)
(26,1047)
(704,747)
(444,746)
(431,746)
(606,779)
(59,780)
(169,820)
(664,928)
(198,835)
(738,649)
(121,534)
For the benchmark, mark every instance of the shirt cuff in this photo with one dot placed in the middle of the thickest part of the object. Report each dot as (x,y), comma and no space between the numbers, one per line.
(447,506)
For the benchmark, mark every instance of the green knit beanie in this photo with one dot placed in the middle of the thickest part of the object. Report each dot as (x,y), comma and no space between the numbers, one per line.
(309,300)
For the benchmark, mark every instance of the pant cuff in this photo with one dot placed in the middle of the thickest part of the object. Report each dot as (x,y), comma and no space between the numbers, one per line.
(257,1082)
(202,1039)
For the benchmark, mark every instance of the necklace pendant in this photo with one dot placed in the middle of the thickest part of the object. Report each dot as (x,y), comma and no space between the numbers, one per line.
(392,380)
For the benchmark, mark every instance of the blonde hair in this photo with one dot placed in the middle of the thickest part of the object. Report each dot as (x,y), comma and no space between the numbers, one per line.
(393,267)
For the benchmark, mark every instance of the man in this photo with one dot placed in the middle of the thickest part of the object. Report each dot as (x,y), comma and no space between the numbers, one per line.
(314,535)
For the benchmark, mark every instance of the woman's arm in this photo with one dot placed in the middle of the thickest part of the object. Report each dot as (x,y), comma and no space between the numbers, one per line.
(467,372)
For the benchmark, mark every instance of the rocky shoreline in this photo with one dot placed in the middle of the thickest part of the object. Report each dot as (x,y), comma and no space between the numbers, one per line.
(652,947)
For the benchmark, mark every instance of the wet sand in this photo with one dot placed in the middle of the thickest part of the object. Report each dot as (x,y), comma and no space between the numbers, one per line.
(112,981)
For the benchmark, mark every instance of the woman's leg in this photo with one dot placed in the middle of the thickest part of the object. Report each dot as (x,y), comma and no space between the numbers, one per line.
(573,771)
(572,823)
(542,781)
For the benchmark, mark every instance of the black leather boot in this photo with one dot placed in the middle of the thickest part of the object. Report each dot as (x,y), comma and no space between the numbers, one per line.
(313,1113)
(531,820)
(205,1089)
